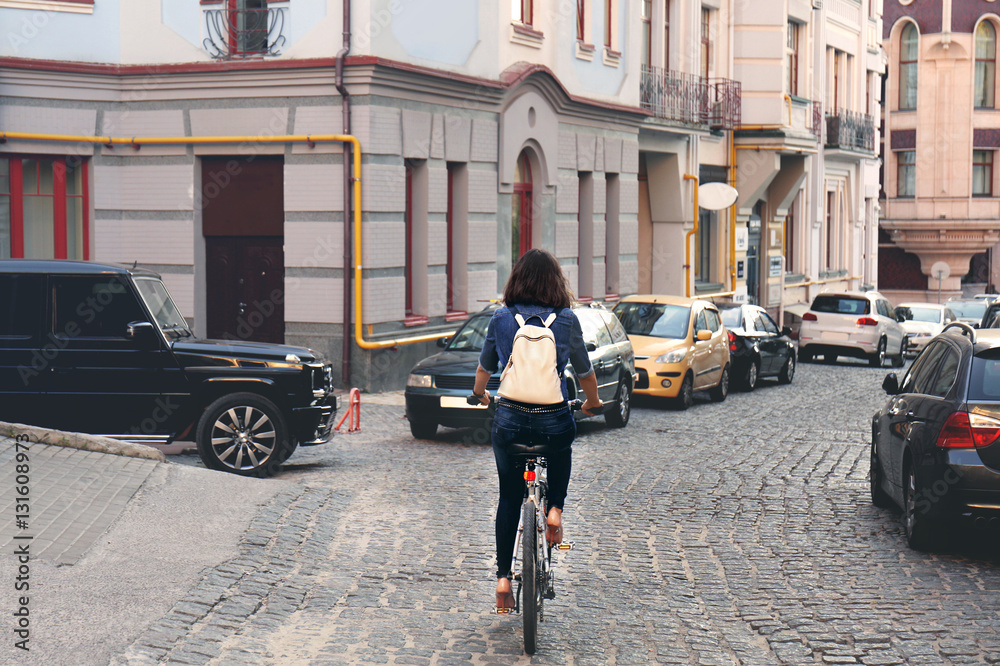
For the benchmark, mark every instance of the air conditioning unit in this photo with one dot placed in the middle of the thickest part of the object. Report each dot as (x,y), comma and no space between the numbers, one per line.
(817,4)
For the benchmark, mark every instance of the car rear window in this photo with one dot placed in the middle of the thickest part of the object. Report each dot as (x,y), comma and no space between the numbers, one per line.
(841,305)
(733,318)
(984,380)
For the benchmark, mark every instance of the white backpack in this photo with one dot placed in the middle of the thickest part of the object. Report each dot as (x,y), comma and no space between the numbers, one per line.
(531,375)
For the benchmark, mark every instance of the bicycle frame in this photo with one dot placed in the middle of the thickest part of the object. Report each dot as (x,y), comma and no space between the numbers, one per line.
(536,494)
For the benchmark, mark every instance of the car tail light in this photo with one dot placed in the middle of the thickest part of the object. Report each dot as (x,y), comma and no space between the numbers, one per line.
(867,321)
(529,475)
(732,341)
(963,431)
(809,316)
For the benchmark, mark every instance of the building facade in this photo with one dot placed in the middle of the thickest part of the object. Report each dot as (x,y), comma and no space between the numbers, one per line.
(199,139)
(941,201)
(475,144)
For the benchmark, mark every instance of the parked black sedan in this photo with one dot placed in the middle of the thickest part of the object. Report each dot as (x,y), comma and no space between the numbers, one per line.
(935,448)
(438,385)
(757,347)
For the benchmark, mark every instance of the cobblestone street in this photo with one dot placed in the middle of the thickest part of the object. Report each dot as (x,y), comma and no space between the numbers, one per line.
(732,533)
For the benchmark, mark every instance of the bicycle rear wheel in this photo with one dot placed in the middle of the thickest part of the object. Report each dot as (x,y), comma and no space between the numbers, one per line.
(530,588)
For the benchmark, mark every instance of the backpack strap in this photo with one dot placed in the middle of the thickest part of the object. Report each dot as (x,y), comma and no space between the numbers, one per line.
(520,319)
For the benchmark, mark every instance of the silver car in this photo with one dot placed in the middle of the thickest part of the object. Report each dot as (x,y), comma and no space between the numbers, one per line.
(923,321)
(852,323)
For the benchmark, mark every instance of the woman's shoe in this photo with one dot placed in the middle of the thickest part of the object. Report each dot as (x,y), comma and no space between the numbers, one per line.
(553,522)
(505,597)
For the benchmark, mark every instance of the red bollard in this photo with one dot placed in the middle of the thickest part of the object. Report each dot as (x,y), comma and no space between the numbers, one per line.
(353,408)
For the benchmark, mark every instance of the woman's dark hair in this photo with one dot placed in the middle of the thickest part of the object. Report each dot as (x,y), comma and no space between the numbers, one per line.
(538,279)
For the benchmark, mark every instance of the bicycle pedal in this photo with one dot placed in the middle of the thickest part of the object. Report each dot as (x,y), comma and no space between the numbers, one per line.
(502,611)
(565,545)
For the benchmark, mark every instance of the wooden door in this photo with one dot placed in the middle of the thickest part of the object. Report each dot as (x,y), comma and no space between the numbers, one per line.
(243,224)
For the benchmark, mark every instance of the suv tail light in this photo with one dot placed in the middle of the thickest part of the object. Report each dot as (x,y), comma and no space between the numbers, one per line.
(809,316)
(963,431)
(732,341)
(867,321)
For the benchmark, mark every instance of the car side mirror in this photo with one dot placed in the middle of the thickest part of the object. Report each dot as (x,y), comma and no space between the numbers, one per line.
(703,334)
(891,384)
(786,331)
(591,346)
(900,317)
(443,342)
(142,332)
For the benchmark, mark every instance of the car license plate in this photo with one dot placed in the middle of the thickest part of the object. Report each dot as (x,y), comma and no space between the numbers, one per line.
(836,336)
(455,401)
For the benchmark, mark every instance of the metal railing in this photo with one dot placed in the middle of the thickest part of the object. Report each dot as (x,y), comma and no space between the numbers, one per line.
(850,130)
(691,99)
(244,33)
(817,121)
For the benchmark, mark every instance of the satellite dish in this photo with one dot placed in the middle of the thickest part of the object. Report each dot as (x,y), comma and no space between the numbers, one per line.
(716,196)
(940,270)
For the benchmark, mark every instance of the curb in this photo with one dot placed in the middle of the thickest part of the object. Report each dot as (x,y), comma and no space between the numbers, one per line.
(77,440)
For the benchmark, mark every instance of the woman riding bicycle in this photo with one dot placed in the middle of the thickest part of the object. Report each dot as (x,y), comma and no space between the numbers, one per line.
(536,285)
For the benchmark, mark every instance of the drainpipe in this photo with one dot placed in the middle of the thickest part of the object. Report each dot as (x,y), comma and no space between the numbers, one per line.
(687,238)
(345,105)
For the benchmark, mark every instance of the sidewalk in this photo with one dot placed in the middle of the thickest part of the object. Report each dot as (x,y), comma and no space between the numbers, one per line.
(115,541)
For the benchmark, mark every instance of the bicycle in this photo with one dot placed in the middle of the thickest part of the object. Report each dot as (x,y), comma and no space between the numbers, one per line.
(535,578)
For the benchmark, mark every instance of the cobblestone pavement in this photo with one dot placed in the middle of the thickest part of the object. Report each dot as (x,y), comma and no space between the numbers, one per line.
(733,533)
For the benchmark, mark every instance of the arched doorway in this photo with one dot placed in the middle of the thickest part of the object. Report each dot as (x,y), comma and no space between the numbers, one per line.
(521,208)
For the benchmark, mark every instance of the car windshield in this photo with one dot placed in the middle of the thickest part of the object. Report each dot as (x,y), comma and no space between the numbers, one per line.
(733,318)
(969,309)
(658,320)
(471,336)
(166,314)
(841,305)
(917,313)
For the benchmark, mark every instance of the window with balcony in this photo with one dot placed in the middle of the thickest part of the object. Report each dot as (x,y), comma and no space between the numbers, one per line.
(244,29)
(909,48)
(982,173)
(792,58)
(43,208)
(666,34)
(906,174)
(986,65)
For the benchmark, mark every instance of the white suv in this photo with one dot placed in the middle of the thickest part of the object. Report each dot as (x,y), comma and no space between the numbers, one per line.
(852,323)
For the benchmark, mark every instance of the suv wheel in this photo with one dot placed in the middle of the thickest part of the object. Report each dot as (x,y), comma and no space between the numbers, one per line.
(245,434)
(900,360)
(721,390)
(877,360)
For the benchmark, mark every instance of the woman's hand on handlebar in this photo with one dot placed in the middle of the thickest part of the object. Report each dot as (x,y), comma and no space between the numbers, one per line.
(484,399)
(592,407)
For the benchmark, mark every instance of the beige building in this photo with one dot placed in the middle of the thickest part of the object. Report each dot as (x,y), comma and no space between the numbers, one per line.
(789,91)
(942,202)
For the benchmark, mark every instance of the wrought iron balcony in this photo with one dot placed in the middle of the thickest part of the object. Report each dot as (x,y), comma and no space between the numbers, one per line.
(851,131)
(245,32)
(817,121)
(691,99)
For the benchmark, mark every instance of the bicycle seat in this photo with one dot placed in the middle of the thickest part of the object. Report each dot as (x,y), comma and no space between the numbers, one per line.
(533,450)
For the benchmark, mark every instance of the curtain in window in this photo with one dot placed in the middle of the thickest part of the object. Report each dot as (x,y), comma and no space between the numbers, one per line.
(908,53)
(986,57)
(982,173)
(906,181)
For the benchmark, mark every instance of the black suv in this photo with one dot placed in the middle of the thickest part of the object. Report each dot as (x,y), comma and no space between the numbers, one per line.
(102,349)
(936,442)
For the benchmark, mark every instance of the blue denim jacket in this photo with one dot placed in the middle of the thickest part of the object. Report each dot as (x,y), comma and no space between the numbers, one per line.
(566,329)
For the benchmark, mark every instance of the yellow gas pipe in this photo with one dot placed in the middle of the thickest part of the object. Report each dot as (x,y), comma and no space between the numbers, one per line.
(137,142)
(687,238)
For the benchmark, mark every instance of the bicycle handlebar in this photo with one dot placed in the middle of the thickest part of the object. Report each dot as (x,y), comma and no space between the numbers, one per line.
(575,404)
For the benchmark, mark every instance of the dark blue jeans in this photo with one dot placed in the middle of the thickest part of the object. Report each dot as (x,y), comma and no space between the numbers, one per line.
(509,426)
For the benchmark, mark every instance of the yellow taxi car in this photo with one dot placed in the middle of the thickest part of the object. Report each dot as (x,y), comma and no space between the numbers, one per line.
(680,346)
